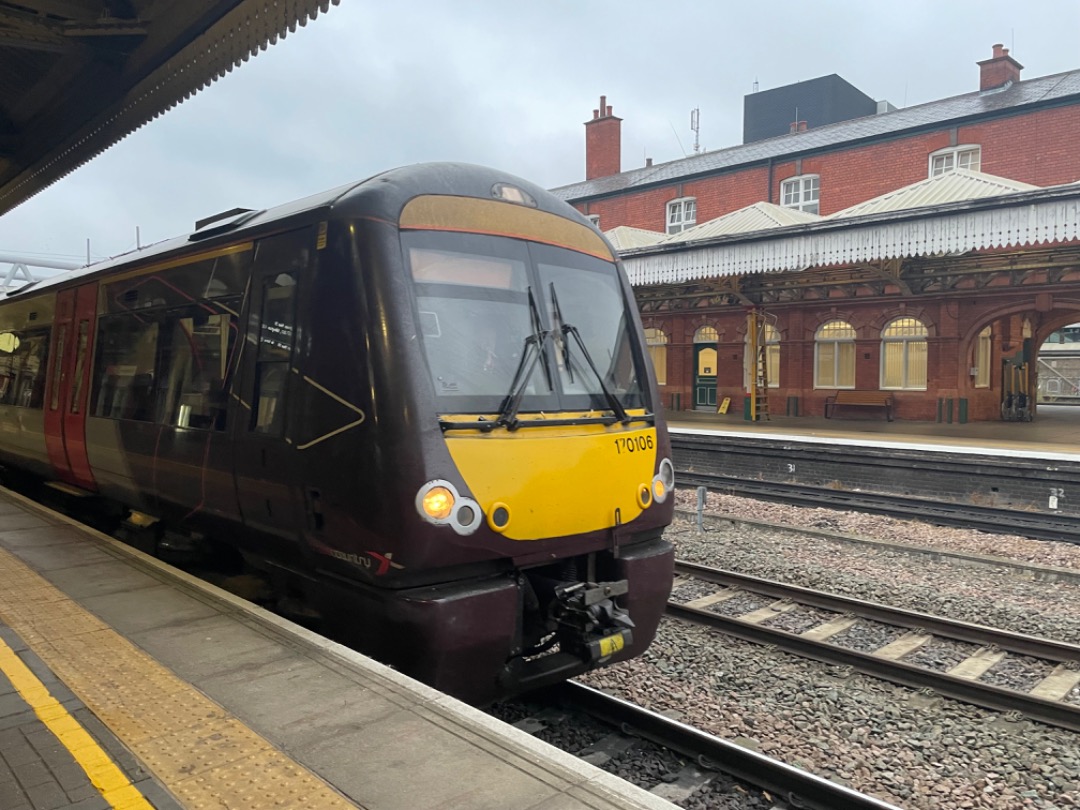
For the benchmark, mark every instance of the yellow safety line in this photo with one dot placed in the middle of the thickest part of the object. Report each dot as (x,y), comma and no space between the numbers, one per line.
(111,782)
(204,755)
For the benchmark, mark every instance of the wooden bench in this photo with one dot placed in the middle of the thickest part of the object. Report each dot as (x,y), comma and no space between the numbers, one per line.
(863,399)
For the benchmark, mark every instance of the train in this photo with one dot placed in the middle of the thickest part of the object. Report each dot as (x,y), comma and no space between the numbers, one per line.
(420,405)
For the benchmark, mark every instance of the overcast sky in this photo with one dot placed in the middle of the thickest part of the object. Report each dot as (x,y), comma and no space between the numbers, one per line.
(373,85)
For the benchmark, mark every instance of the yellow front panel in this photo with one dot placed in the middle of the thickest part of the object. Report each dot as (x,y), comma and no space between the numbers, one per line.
(558,481)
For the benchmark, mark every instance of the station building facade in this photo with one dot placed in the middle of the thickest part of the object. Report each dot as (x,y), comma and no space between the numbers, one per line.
(926,252)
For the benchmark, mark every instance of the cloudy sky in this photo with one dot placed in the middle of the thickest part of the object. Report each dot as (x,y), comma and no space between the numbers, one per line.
(373,85)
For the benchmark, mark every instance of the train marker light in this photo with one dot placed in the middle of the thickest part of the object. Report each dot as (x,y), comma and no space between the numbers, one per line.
(644,496)
(499,517)
(664,481)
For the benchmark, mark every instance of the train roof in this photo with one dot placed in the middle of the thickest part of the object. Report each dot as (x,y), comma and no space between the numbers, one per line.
(393,189)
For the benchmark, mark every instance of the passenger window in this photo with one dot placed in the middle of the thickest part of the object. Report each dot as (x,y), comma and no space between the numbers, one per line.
(80,364)
(124,379)
(22,372)
(195,352)
(58,367)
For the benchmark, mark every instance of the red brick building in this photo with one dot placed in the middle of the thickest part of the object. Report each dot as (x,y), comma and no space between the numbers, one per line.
(918,251)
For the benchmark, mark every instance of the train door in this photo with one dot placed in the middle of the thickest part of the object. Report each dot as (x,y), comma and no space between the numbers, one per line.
(705,376)
(68,385)
(267,473)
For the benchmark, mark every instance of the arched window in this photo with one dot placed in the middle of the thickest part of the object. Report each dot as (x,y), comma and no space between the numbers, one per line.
(771,339)
(706,334)
(657,342)
(982,359)
(903,355)
(952,158)
(834,355)
(801,193)
(681,214)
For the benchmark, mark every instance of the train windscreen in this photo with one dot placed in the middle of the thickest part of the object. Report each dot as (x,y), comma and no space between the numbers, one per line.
(502,317)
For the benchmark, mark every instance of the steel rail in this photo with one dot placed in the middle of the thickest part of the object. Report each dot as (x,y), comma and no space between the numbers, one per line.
(1032,571)
(1050,712)
(797,787)
(1039,526)
(1059,651)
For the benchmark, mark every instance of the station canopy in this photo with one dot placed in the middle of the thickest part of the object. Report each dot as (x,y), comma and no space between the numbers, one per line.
(77,76)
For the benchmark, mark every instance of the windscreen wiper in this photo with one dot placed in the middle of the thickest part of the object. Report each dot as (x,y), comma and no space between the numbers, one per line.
(569,329)
(533,352)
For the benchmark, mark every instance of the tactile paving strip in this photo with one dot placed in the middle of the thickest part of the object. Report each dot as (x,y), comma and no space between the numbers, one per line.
(206,757)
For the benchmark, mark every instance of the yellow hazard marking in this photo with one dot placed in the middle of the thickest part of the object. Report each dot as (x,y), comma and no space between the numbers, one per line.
(203,755)
(110,781)
(609,645)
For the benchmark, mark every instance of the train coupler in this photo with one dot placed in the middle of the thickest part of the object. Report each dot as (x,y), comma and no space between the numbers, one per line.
(589,612)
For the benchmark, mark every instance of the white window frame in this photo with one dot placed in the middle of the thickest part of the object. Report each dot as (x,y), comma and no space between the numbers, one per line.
(835,342)
(681,214)
(594,219)
(943,161)
(772,357)
(802,193)
(656,341)
(983,349)
(906,340)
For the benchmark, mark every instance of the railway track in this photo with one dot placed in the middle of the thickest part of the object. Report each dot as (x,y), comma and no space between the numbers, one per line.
(1036,525)
(672,760)
(810,623)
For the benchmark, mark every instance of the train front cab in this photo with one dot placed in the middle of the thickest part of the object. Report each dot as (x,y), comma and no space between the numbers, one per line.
(545,400)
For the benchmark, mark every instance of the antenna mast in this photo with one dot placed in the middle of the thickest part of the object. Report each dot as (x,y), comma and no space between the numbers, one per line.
(695,125)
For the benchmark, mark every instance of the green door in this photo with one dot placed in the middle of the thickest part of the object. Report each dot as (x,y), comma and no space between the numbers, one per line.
(704,377)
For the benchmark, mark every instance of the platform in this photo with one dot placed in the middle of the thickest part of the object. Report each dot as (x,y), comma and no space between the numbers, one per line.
(1055,433)
(127,684)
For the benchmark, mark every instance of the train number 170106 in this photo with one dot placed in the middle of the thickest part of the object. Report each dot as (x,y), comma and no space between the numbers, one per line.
(633,444)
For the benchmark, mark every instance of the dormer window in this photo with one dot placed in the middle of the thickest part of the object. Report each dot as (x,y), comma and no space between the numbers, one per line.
(681,214)
(955,157)
(801,193)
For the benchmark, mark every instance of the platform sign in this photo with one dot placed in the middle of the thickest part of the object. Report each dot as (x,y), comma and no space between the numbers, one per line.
(724,405)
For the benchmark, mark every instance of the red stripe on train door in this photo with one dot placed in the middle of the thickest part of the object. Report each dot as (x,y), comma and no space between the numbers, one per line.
(67,394)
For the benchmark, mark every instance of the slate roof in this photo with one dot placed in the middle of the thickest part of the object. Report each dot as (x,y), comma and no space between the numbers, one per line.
(1044,90)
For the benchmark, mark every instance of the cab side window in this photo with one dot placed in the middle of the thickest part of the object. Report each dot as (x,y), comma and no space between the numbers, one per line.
(277,326)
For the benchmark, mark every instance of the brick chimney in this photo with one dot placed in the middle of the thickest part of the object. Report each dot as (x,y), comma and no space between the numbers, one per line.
(999,70)
(603,143)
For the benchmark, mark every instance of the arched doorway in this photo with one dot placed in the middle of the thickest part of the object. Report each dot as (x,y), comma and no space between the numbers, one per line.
(705,359)
(1059,367)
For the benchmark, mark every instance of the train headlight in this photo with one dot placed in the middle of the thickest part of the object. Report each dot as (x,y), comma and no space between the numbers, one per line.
(440,503)
(644,496)
(435,501)
(664,481)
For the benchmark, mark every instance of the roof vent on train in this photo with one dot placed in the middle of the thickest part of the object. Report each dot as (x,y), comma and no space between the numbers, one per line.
(225,221)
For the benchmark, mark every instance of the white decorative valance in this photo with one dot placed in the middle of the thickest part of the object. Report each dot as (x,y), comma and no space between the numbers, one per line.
(1030,221)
